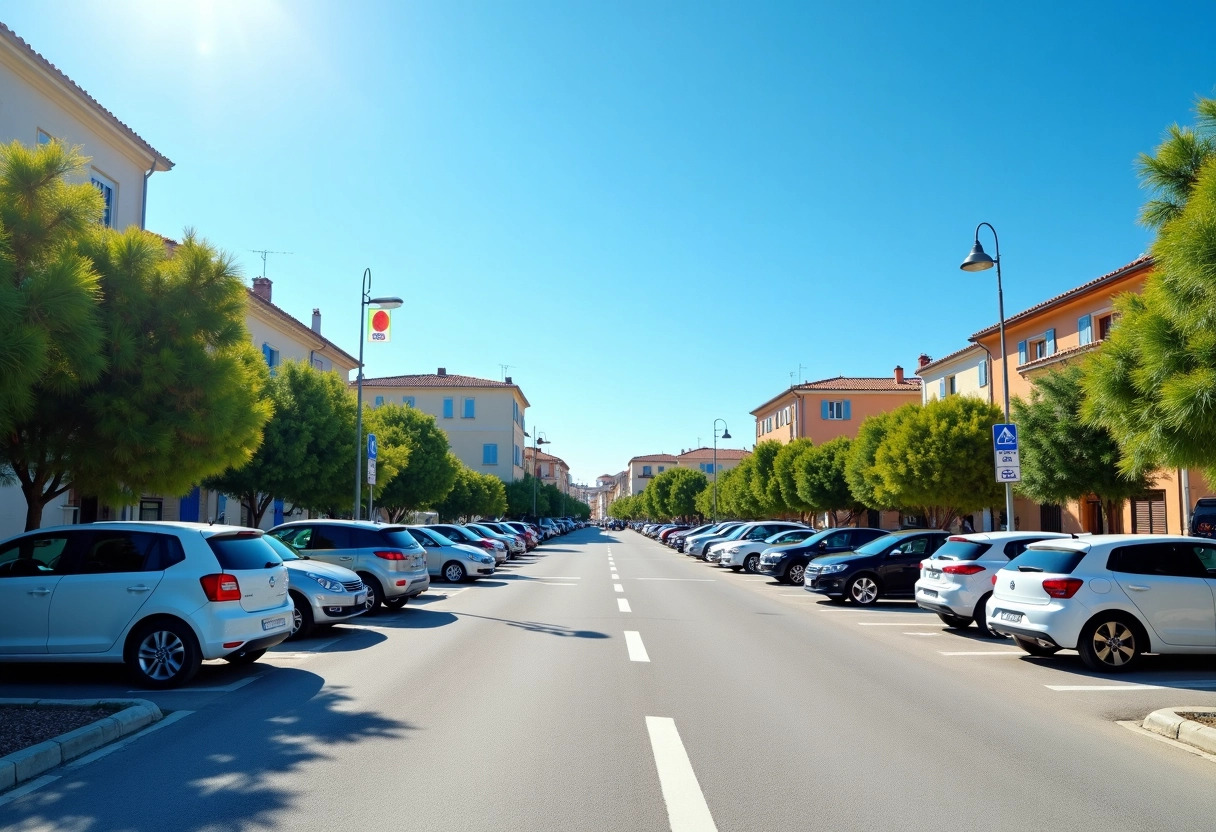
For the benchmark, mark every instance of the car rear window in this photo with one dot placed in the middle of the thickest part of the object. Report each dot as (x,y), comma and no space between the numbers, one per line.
(399,537)
(1055,561)
(962,550)
(243,551)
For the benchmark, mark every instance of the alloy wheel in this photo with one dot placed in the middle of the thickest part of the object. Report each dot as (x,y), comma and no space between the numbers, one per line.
(863,590)
(161,655)
(1114,643)
(796,573)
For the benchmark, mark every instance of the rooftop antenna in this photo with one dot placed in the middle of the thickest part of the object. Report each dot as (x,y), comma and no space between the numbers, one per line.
(264,252)
(504,368)
(794,376)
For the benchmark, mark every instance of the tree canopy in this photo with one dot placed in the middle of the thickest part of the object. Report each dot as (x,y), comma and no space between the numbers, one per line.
(819,473)
(785,473)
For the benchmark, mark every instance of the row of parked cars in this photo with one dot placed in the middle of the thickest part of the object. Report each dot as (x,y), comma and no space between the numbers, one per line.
(162,597)
(1112,598)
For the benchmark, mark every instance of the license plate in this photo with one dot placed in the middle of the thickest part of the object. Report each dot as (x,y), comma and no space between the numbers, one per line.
(1010,616)
(931,593)
(273,623)
(933,573)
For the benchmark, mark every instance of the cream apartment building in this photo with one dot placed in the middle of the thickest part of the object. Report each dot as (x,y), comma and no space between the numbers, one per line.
(483,419)
(961,373)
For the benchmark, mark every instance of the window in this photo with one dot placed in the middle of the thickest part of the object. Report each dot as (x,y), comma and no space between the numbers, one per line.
(1179,560)
(1085,331)
(448,409)
(111,551)
(44,137)
(646,471)
(1105,323)
(518,458)
(470,409)
(662,469)
(951,389)
(33,555)
(272,358)
(1148,513)
(1038,349)
(150,509)
(1050,518)
(106,188)
(379,401)
(408,401)
(489,454)
(836,410)
(983,368)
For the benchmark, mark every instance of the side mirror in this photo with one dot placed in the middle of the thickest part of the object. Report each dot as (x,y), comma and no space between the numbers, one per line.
(898,550)
(823,544)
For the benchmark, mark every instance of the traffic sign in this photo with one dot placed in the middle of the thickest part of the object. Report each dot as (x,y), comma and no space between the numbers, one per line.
(1008,459)
(1004,437)
(1009,473)
(371,471)
(371,446)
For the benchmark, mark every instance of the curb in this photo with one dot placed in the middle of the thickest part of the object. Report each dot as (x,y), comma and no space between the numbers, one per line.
(1168,723)
(28,763)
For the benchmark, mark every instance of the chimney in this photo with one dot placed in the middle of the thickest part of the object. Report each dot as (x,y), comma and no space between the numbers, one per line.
(261,288)
(899,375)
(316,321)
(508,380)
(443,371)
(923,360)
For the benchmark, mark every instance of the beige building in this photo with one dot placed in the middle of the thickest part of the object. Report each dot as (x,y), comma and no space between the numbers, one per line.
(823,410)
(38,104)
(961,373)
(704,459)
(483,419)
(549,469)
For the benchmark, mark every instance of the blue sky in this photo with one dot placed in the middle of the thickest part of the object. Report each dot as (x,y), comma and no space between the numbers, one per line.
(653,211)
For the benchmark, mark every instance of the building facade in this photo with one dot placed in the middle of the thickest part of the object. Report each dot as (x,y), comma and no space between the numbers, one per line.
(825,409)
(483,419)
(961,373)
(549,469)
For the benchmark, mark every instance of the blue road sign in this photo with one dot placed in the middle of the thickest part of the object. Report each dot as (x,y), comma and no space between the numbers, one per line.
(371,446)
(1004,438)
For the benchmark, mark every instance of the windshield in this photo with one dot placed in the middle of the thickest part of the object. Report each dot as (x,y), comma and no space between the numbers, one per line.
(485,530)
(882,544)
(284,550)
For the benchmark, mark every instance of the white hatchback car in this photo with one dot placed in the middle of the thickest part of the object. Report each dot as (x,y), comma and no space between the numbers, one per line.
(1110,597)
(956,580)
(159,597)
(745,552)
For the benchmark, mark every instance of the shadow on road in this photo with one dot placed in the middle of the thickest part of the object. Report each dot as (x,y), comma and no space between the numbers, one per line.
(539,627)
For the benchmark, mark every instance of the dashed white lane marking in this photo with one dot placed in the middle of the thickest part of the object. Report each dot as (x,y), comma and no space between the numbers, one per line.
(897,624)
(694,580)
(622,605)
(637,651)
(240,683)
(1189,684)
(618,587)
(981,652)
(687,810)
(114,746)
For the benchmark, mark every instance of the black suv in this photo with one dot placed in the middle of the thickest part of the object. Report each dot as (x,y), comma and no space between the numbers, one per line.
(787,563)
(1203,518)
(887,567)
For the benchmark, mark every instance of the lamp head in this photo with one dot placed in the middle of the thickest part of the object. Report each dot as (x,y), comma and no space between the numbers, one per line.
(726,434)
(978,260)
(386,303)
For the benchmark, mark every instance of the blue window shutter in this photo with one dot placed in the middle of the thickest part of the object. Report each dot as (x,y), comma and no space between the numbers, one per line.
(1021,352)
(447,408)
(266,353)
(941,389)
(823,409)
(1085,329)
(379,401)
(848,410)
(1051,342)
(983,373)
(489,454)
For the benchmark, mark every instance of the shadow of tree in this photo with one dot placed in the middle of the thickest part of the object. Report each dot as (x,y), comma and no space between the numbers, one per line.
(227,769)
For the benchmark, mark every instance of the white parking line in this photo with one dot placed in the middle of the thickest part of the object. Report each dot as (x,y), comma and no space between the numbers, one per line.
(897,624)
(981,652)
(618,587)
(687,810)
(622,605)
(637,651)
(1187,684)
(553,583)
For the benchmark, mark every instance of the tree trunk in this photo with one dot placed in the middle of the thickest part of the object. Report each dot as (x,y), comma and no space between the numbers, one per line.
(34,503)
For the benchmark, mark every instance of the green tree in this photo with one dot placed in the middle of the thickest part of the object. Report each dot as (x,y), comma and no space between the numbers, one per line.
(938,458)
(686,486)
(622,508)
(860,468)
(519,496)
(657,494)
(1065,459)
(307,445)
(428,472)
(822,484)
(764,484)
(1153,382)
(785,470)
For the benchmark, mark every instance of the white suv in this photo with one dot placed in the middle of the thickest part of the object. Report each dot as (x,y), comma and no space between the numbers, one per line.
(1110,597)
(160,597)
(956,581)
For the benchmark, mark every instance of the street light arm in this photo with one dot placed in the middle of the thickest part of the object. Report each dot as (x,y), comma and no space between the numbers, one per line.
(996,240)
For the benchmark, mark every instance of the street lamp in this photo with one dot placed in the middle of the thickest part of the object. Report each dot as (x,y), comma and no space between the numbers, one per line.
(365,301)
(536,442)
(979,261)
(725,435)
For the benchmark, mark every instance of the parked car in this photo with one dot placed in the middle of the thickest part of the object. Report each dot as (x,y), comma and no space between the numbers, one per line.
(321,593)
(459,534)
(886,567)
(1112,598)
(695,546)
(1203,518)
(518,544)
(454,562)
(744,551)
(390,562)
(531,535)
(956,581)
(159,597)
(513,542)
(787,561)
(676,541)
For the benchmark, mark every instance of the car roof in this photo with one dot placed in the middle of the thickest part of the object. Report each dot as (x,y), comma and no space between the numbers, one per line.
(333,521)
(1084,544)
(986,537)
(146,525)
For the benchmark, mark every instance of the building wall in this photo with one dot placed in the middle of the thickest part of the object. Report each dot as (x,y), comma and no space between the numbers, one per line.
(292,344)
(638,480)
(29,103)
(860,406)
(970,374)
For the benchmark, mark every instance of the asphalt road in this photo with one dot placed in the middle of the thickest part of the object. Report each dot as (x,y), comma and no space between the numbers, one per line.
(607,683)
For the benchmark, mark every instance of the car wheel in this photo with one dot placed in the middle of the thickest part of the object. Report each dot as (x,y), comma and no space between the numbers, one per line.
(245,656)
(751,563)
(955,621)
(1034,648)
(396,603)
(454,572)
(301,617)
(1110,643)
(375,593)
(862,590)
(981,617)
(163,653)
(797,574)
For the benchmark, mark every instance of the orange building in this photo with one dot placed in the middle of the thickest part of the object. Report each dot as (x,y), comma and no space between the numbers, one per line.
(832,407)
(1063,329)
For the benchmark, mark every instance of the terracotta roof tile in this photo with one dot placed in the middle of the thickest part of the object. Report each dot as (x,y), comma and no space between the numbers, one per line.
(18,43)
(708,453)
(883,384)
(1059,355)
(938,361)
(1143,262)
(438,381)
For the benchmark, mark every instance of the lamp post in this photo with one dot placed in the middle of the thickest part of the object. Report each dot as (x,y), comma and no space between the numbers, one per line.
(978,261)
(725,435)
(537,441)
(366,300)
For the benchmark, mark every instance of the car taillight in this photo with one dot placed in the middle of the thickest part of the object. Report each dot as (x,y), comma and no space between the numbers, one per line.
(487,544)
(957,539)
(994,579)
(1062,587)
(924,563)
(963,569)
(389,554)
(221,587)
